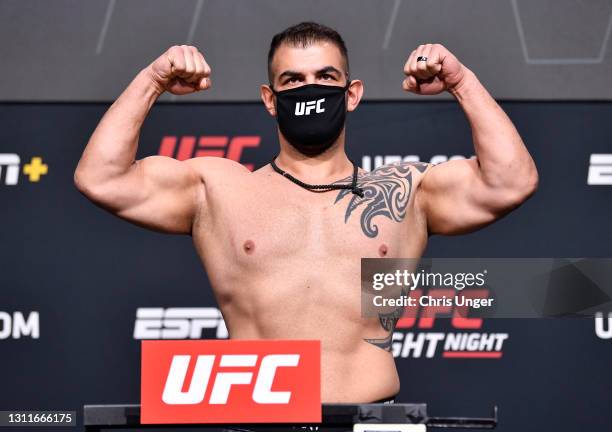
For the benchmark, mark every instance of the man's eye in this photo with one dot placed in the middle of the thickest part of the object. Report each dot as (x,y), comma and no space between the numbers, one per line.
(327,77)
(293,80)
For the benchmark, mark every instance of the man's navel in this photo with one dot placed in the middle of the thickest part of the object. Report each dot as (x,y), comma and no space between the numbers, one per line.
(249,247)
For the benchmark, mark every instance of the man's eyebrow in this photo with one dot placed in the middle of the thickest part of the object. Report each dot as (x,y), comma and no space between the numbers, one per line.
(328,69)
(290,73)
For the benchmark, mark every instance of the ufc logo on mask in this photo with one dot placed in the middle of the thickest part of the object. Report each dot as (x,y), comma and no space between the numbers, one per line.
(230,381)
(304,108)
(225,379)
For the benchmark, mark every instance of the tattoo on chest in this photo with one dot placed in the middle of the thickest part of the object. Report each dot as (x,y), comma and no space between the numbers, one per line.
(386,193)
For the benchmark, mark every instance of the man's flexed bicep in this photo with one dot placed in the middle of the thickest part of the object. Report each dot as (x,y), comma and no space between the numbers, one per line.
(157,192)
(464,195)
(456,199)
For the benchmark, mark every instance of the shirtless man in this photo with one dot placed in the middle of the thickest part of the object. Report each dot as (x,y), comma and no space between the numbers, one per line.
(283,259)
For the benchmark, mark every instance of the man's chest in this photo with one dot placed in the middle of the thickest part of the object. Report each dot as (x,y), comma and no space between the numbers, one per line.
(298,223)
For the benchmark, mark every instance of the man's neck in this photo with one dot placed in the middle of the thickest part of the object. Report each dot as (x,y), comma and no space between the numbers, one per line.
(329,166)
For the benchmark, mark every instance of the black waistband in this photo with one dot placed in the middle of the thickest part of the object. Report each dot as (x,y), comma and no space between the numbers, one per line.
(301,428)
(389,400)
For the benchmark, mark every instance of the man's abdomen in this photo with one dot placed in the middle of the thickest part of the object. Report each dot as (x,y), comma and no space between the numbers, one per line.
(366,376)
(327,310)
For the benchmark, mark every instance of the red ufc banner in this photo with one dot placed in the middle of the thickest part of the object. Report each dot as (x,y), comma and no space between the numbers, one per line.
(230,381)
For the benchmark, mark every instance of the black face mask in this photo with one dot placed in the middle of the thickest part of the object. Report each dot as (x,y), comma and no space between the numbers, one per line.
(311,117)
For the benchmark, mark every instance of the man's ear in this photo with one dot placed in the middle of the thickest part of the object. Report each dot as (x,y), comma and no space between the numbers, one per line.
(267,97)
(355,92)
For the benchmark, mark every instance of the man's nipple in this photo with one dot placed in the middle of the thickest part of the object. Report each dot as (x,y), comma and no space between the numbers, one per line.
(382,250)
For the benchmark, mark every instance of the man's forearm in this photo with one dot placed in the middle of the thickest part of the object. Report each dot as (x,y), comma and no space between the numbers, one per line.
(112,147)
(503,159)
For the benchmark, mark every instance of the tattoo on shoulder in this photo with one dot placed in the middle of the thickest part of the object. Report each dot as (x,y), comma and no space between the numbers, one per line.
(387,192)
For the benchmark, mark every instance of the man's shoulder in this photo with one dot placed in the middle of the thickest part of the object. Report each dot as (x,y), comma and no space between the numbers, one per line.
(211,165)
(400,170)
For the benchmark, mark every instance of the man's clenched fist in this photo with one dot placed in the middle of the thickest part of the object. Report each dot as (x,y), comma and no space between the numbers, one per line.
(180,70)
(442,71)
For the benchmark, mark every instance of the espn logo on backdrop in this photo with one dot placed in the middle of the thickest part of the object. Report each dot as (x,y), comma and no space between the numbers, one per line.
(237,381)
(187,147)
(179,323)
(10,163)
(600,170)
(466,342)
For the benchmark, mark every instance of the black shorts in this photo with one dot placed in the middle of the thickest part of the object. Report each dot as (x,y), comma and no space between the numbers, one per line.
(300,428)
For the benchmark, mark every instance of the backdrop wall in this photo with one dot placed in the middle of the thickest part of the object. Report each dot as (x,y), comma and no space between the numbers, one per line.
(73,276)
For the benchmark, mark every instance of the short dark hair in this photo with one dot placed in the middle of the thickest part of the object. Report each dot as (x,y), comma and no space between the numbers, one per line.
(303,35)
